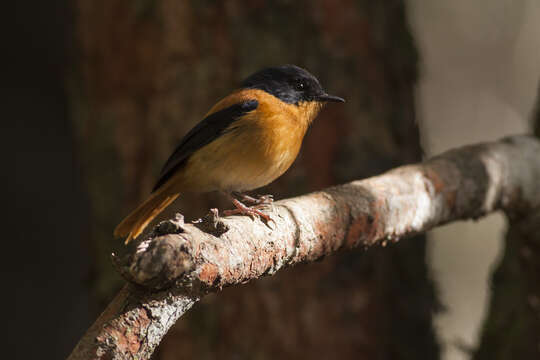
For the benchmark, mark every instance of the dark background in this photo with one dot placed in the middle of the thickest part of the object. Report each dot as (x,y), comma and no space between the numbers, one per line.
(46,209)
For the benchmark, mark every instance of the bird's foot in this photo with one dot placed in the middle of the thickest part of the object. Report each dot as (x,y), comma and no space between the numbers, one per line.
(246,210)
(259,200)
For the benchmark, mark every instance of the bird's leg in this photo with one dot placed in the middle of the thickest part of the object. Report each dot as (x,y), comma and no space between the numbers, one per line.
(243,209)
(259,200)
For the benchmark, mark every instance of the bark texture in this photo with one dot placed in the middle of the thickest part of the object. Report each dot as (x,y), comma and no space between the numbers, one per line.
(149,70)
(512,326)
(186,261)
(132,325)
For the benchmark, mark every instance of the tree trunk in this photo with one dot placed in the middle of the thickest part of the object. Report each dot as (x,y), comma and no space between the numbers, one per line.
(512,326)
(149,70)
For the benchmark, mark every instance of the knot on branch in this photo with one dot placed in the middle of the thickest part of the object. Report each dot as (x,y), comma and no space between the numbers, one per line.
(161,259)
(212,223)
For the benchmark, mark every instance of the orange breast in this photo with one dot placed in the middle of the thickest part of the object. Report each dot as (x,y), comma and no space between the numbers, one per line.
(257,149)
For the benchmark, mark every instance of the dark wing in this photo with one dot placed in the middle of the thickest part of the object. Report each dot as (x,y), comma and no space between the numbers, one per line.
(204,133)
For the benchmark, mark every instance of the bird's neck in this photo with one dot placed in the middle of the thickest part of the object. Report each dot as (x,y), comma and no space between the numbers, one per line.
(308,111)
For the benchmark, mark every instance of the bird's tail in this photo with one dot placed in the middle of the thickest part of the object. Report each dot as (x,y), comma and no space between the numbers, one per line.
(134,224)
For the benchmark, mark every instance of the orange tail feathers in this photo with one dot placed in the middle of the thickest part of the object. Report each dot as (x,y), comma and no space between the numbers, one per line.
(134,224)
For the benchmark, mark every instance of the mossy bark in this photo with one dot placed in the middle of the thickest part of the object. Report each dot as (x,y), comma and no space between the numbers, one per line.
(149,70)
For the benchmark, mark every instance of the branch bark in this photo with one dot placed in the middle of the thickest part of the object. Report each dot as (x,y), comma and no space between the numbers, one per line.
(179,263)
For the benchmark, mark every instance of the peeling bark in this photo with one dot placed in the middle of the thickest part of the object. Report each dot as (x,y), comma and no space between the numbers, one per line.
(183,262)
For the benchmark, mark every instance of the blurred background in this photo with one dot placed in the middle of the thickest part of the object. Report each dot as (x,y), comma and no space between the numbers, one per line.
(98,92)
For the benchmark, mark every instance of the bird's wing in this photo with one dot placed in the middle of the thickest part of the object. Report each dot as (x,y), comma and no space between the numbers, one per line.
(204,133)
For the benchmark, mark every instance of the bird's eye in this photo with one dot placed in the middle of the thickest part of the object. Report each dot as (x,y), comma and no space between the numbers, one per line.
(300,85)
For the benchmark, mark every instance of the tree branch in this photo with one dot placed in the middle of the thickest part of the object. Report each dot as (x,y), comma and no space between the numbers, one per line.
(181,262)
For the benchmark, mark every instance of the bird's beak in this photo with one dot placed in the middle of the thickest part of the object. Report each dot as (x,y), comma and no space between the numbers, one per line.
(332,98)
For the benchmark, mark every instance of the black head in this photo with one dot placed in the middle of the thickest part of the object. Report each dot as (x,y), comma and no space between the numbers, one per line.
(290,84)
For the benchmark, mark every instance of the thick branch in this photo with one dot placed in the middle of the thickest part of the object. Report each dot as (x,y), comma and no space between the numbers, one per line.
(192,259)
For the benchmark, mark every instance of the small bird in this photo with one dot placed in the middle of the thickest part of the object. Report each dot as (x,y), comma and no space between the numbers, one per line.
(247,140)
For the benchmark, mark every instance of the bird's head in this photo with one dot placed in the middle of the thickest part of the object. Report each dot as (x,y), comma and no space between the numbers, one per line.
(291,84)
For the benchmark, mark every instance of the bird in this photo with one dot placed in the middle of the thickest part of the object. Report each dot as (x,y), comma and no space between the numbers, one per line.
(245,141)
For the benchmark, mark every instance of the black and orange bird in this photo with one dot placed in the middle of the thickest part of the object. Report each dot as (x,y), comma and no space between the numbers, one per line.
(247,140)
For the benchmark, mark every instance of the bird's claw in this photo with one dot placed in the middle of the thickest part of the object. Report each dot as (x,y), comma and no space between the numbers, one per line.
(259,200)
(250,211)
(265,199)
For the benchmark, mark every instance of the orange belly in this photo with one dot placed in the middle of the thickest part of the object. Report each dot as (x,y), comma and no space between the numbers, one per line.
(245,158)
